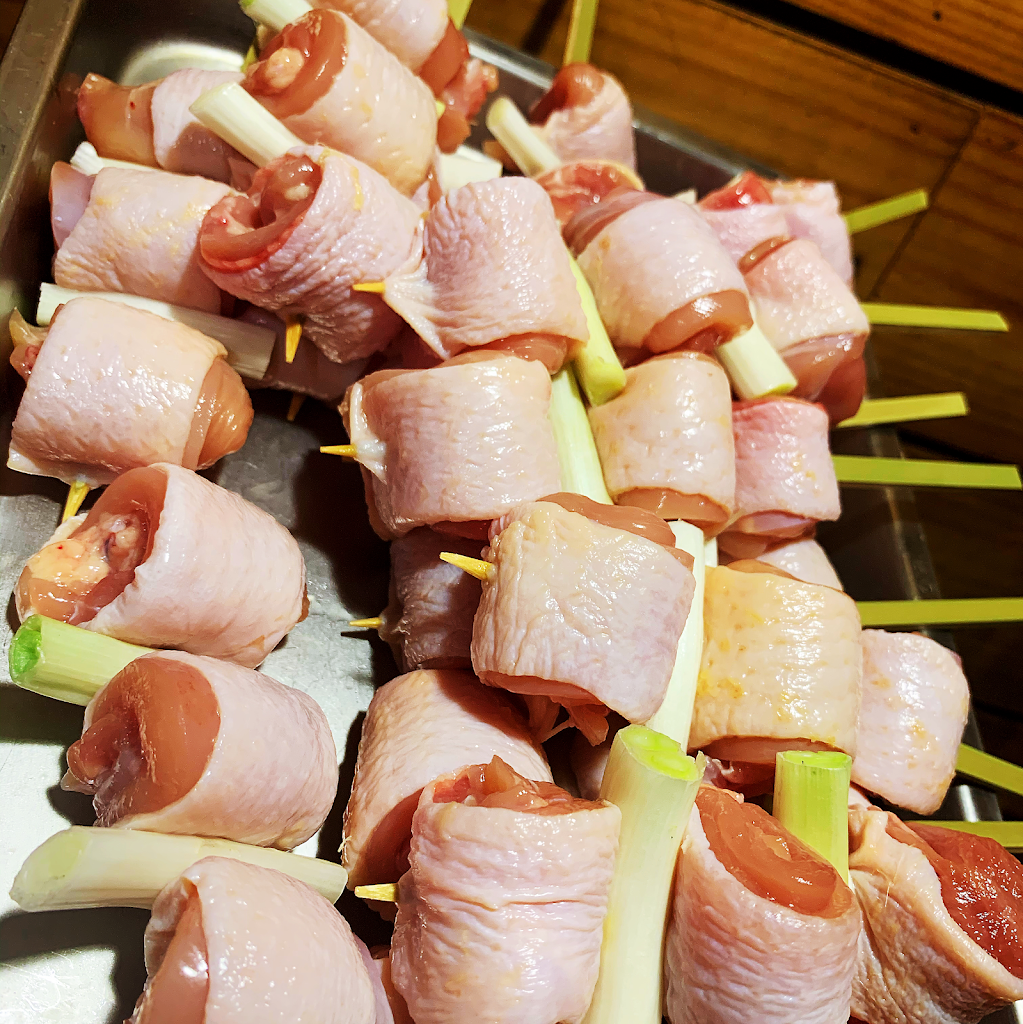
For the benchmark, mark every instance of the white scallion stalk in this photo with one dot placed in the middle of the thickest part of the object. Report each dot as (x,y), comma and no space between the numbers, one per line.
(531,154)
(66,662)
(249,346)
(688,196)
(113,867)
(811,794)
(654,784)
(577,452)
(88,161)
(465,166)
(230,112)
(710,554)
(275,14)
(754,367)
(600,373)
(675,714)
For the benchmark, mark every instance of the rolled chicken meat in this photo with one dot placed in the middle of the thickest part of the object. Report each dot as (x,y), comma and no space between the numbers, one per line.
(915,703)
(665,443)
(781,667)
(161,560)
(313,224)
(813,211)
(784,478)
(584,115)
(151,124)
(584,614)
(454,446)
(139,234)
(500,915)
(660,277)
(195,746)
(419,726)
(753,906)
(233,943)
(494,271)
(110,388)
(942,918)
(805,560)
(428,621)
(331,82)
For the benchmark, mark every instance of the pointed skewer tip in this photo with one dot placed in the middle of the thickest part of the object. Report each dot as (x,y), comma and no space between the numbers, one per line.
(372,623)
(78,493)
(346,451)
(477,567)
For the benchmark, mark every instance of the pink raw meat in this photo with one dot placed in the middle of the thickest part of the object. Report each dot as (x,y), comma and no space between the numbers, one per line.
(365,102)
(500,916)
(180,141)
(665,443)
(584,614)
(202,547)
(390,1007)
(915,962)
(804,559)
(784,477)
(313,224)
(428,621)
(742,229)
(781,667)
(733,955)
(812,210)
(419,726)
(494,268)
(460,443)
(271,774)
(69,196)
(232,943)
(114,388)
(139,234)
(915,703)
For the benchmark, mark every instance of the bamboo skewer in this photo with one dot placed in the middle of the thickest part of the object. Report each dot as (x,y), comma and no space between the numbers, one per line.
(385,891)
(875,214)
(292,336)
(76,495)
(989,770)
(346,451)
(458,11)
(940,611)
(897,315)
(580,32)
(477,567)
(297,401)
(875,411)
(374,622)
(870,469)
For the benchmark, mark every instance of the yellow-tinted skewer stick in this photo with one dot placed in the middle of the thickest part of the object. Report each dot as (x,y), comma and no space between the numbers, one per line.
(376,287)
(1008,833)
(387,891)
(473,566)
(346,451)
(580,32)
(292,336)
(990,770)
(896,315)
(293,408)
(458,11)
(941,612)
(78,493)
(874,411)
(875,214)
(372,623)
(869,469)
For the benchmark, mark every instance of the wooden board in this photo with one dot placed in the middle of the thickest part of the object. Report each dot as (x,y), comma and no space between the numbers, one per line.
(984,37)
(799,106)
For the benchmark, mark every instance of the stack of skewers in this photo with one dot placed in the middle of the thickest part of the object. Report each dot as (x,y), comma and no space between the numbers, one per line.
(593,422)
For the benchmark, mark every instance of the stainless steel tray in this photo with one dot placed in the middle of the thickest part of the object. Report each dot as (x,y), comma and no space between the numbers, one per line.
(87,966)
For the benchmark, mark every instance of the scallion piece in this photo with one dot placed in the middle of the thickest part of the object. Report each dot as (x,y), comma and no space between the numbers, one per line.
(577,451)
(600,373)
(531,154)
(66,662)
(811,798)
(113,867)
(754,367)
(88,161)
(653,782)
(275,14)
(675,714)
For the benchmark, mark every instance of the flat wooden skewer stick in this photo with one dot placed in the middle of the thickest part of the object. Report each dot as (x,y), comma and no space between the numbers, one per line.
(376,287)
(896,315)
(292,336)
(580,32)
(387,891)
(1008,833)
(372,623)
(458,11)
(874,411)
(941,611)
(988,769)
(78,493)
(875,214)
(346,451)
(870,469)
(477,567)
(296,404)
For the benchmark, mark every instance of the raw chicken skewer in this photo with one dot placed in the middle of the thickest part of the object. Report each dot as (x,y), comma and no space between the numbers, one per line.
(160,560)
(110,388)
(504,872)
(803,559)
(194,746)
(419,726)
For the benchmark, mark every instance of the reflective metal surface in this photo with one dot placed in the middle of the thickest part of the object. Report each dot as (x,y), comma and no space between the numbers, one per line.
(86,966)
